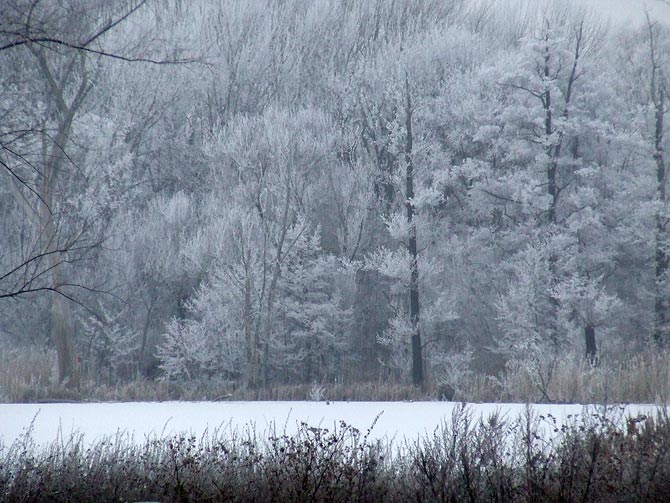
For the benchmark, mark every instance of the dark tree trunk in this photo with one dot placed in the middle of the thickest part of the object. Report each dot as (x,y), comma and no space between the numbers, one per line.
(414,308)
(590,340)
(309,360)
(375,138)
(660,304)
(554,145)
(371,314)
(553,152)
(657,93)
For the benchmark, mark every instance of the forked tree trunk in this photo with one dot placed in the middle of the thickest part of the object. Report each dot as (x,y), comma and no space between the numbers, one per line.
(553,151)
(54,153)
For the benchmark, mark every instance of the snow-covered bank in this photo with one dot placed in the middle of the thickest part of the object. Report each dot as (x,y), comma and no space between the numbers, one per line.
(398,421)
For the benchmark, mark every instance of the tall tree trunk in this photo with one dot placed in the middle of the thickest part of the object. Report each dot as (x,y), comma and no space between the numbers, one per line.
(276,273)
(657,92)
(589,328)
(553,152)
(414,307)
(62,331)
(660,304)
(54,153)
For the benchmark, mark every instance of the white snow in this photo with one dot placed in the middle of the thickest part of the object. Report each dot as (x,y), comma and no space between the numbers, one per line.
(397,421)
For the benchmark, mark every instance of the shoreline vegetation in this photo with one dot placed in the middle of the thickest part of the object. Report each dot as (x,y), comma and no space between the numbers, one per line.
(599,457)
(29,377)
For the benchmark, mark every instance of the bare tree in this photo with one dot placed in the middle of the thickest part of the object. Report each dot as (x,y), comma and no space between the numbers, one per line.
(64,42)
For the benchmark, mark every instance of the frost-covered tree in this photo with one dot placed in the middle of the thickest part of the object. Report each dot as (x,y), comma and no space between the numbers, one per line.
(220,334)
(110,350)
(315,344)
(276,213)
(274,160)
(55,52)
(554,126)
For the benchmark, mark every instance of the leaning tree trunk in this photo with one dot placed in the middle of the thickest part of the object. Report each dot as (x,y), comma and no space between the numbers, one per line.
(414,307)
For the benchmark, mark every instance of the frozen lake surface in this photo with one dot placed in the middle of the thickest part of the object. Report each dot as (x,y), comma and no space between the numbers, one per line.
(397,421)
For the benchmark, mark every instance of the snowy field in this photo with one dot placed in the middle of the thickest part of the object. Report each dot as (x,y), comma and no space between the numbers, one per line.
(397,421)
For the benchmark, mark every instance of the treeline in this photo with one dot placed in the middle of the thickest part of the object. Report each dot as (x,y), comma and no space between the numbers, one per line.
(257,193)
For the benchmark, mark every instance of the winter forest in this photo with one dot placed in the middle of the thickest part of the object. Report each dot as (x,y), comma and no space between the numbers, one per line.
(461,198)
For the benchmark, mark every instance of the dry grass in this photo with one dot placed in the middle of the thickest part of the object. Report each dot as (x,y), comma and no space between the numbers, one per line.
(365,391)
(643,378)
(492,459)
(29,376)
(25,374)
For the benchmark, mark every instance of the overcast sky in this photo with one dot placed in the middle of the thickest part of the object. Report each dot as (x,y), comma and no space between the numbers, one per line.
(618,11)
(624,11)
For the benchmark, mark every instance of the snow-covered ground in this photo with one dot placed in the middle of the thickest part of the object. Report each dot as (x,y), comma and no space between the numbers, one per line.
(397,421)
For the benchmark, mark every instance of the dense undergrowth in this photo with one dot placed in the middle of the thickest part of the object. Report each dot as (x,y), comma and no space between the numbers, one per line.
(644,378)
(597,457)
